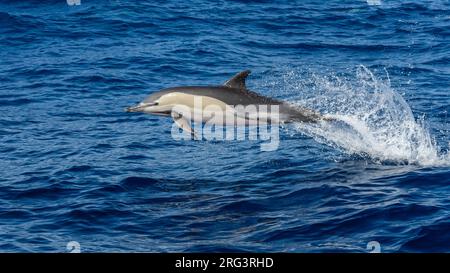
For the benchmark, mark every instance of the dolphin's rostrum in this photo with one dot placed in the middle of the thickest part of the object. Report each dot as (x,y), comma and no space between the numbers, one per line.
(232,93)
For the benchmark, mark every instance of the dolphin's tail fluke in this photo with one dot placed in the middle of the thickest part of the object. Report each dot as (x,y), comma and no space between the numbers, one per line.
(301,114)
(325,118)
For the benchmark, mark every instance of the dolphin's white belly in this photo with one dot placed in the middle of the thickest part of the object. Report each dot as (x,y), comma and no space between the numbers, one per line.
(203,109)
(232,117)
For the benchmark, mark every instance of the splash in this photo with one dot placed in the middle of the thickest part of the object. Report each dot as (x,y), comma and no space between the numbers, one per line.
(373,120)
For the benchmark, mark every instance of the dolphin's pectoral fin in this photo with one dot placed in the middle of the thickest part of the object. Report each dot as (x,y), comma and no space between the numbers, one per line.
(238,80)
(183,123)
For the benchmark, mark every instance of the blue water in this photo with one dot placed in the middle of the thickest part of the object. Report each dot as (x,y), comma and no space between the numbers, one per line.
(75,167)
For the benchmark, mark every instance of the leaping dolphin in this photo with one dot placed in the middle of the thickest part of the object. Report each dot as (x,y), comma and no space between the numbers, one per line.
(232,93)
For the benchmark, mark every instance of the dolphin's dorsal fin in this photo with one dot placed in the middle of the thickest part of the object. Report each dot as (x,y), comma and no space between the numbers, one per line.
(238,80)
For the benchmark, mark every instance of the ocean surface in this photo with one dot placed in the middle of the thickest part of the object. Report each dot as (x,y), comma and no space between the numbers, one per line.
(75,167)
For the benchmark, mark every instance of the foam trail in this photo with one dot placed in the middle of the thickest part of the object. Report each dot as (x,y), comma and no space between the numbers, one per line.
(373,120)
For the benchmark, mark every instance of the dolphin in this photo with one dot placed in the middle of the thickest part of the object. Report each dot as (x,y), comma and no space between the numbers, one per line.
(233,92)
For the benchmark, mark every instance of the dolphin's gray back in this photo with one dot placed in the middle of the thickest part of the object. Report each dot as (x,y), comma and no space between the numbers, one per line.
(230,96)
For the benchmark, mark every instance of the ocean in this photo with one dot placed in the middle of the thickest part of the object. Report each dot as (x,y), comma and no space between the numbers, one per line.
(78,173)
